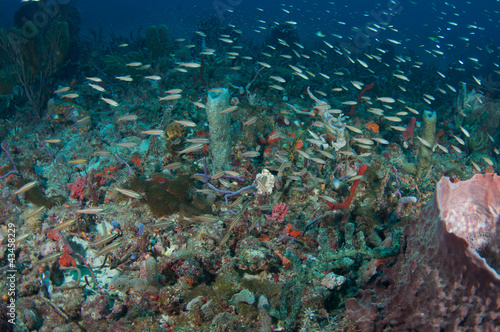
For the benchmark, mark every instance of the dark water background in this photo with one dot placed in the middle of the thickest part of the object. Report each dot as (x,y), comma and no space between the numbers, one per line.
(416,21)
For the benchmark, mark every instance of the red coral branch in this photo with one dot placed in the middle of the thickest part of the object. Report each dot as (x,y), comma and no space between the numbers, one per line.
(201,71)
(347,202)
(366,88)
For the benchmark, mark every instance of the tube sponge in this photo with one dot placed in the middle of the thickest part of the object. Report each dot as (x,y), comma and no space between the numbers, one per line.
(429,134)
(152,272)
(219,128)
(149,284)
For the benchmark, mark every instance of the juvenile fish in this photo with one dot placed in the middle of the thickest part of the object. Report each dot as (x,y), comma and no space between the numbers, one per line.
(191,148)
(97,87)
(174,91)
(318,160)
(393,118)
(250,121)
(153,77)
(398,128)
(354,129)
(172,166)
(354,178)
(301,75)
(25,188)
(459,140)
(277,87)
(126,144)
(49,258)
(414,111)
(77,161)
(87,118)
(186,123)
(488,160)
(366,141)
(34,213)
(380,140)
(200,105)
(64,89)
(442,148)
(171,97)
(278,79)
(401,77)
(89,211)
(104,240)
(71,95)
(250,154)
(108,248)
(326,154)
(456,149)
(198,140)
(388,100)
(466,133)
(63,225)
(153,132)
(476,166)
(328,199)
(205,218)
(303,154)
(128,117)
(109,101)
(190,64)
(424,142)
(229,110)
(129,193)
(124,78)
(376,111)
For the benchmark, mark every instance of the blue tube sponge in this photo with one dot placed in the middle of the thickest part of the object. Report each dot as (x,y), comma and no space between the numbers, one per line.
(219,128)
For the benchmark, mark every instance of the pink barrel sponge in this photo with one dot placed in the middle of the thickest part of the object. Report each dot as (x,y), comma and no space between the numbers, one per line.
(446,277)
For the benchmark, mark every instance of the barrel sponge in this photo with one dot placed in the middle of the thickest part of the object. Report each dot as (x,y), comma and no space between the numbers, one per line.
(219,128)
(447,277)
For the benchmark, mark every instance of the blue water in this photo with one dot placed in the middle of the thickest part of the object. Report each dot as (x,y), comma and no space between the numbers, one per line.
(415,21)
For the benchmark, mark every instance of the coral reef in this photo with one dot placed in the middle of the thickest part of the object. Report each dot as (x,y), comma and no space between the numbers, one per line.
(209,182)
